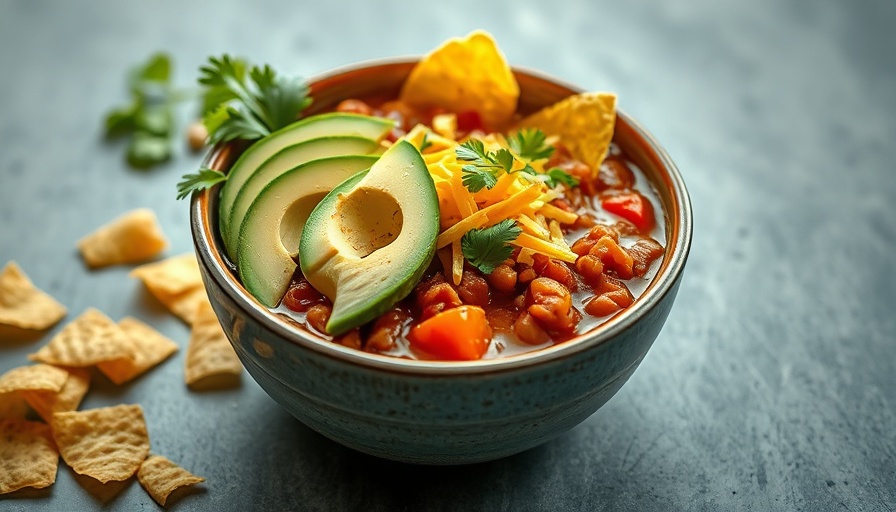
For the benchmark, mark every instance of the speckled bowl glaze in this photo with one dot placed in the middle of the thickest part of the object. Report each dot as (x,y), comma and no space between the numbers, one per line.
(444,412)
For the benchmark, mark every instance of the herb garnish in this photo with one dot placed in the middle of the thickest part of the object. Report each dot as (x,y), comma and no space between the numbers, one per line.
(148,119)
(248,109)
(486,166)
(529,144)
(487,248)
(205,178)
(556,176)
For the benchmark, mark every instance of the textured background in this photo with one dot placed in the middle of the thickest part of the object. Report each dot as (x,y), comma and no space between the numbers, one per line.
(773,384)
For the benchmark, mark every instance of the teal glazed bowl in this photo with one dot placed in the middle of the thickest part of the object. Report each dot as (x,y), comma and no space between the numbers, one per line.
(444,412)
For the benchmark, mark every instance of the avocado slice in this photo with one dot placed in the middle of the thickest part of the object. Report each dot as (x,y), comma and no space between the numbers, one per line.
(309,128)
(282,161)
(273,224)
(368,242)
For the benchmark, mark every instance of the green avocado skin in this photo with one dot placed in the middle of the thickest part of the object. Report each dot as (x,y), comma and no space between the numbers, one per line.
(378,288)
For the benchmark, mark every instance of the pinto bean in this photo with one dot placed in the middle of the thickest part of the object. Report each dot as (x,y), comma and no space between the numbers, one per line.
(644,252)
(503,278)
(614,258)
(614,174)
(611,295)
(473,289)
(556,270)
(386,331)
(528,330)
(434,295)
(317,317)
(584,244)
(351,339)
(550,303)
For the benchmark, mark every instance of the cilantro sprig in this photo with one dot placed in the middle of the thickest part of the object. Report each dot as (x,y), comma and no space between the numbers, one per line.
(487,248)
(237,108)
(205,178)
(530,144)
(148,118)
(485,167)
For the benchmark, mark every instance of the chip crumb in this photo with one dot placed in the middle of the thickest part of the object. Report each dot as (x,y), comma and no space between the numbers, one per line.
(87,340)
(160,477)
(37,377)
(24,305)
(45,403)
(150,349)
(176,283)
(107,444)
(209,353)
(28,456)
(131,238)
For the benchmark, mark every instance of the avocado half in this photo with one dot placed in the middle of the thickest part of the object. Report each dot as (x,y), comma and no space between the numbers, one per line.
(273,225)
(367,243)
(284,160)
(322,125)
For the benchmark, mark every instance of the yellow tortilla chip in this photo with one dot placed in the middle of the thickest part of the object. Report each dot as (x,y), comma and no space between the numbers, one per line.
(45,403)
(12,406)
(160,477)
(131,238)
(150,349)
(465,74)
(22,304)
(584,123)
(209,354)
(89,339)
(108,443)
(38,377)
(176,283)
(28,457)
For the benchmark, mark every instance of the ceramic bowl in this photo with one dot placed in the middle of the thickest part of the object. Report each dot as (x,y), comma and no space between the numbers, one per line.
(444,412)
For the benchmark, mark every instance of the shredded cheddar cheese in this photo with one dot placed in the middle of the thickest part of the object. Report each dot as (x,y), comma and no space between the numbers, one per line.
(515,196)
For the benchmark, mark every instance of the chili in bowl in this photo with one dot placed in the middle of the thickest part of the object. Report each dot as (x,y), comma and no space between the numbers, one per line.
(536,344)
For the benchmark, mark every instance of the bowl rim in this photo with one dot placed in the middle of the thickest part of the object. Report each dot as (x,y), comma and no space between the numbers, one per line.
(679,235)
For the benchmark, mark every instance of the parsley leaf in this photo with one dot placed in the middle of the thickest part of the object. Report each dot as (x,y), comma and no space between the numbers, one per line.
(529,144)
(248,109)
(205,178)
(487,248)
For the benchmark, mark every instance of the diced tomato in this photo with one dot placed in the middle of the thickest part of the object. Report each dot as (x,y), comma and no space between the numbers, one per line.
(456,334)
(468,121)
(632,207)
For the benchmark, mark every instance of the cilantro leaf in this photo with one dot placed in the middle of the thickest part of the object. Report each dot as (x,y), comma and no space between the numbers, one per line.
(472,150)
(148,119)
(147,149)
(475,178)
(504,158)
(529,144)
(425,143)
(557,176)
(205,178)
(487,248)
(255,107)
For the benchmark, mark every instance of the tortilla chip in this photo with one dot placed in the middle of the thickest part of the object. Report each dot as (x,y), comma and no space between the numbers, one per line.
(584,123)
(38,377)
(22,304)
(89,339)
(176,283)
(150,349)
(465,74)
(209,354)
(160,477)
(107,444)
(130,238)
(12,406)
(45,403)
(28,457)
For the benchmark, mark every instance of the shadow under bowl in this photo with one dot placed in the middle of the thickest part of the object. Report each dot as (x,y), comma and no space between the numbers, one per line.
(434,412)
